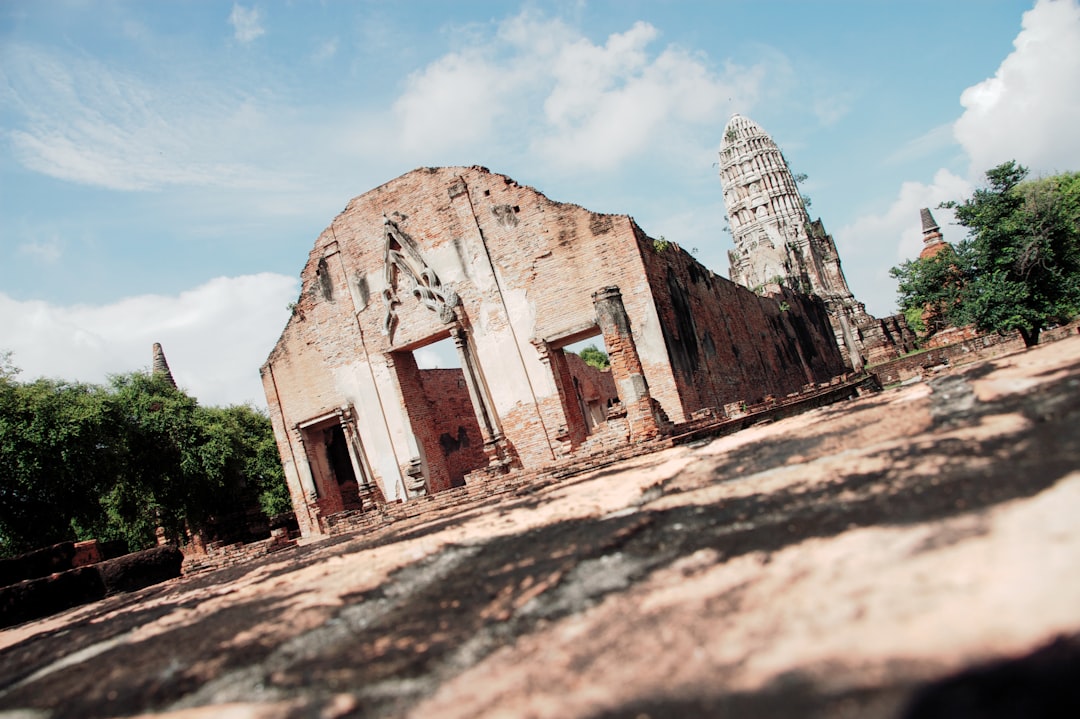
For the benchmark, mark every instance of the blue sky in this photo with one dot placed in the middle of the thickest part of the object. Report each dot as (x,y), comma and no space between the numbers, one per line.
(165,167)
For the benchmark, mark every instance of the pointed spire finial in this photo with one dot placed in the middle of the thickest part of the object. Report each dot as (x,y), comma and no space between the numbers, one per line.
(160,366)
(928,223)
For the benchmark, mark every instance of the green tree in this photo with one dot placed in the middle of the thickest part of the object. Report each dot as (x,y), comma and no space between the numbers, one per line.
(1022,251)
(930,291)
(1018,268)
(190,465)
(58,453)
(595,357)
(253,467)
(79,461)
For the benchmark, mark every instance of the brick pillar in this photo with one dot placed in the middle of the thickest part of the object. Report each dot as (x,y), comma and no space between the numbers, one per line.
(494,442)
(417,411)
(641,411)
(567,416)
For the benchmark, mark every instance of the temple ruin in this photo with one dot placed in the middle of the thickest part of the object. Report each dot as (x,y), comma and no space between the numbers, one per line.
(776,244)
(511,279)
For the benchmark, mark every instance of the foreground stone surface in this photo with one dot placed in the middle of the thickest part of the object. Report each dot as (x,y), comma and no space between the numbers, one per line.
(825,565)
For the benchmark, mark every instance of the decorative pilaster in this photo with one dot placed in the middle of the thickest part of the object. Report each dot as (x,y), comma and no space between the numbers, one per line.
(494,442)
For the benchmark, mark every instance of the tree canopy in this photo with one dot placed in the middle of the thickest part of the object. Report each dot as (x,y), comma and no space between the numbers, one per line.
(595,357)
(1019,266)
(81,461)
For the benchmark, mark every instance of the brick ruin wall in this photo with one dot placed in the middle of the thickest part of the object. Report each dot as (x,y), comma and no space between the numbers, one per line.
(886,338)
(595,385)
(971,349)
(728,344)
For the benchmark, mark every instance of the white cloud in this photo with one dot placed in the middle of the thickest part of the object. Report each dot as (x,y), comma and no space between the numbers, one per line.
(452,102)
(830,110)
(1030,109)
(215,336)
(612,102)
(585,106)
(246,22)
(860,243)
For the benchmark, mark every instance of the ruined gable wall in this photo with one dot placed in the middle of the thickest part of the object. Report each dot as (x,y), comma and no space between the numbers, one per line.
(728,344)
(525,268)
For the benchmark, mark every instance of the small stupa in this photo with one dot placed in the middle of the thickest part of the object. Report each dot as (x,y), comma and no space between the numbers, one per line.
(933,242)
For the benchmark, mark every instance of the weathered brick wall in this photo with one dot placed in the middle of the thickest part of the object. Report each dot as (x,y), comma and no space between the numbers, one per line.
(729,344)
(886,338)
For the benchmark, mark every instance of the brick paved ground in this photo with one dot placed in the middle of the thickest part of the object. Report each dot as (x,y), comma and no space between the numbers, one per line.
(828,564)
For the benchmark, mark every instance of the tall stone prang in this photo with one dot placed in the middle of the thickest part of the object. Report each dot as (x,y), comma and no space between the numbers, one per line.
(160,366)
(776,243)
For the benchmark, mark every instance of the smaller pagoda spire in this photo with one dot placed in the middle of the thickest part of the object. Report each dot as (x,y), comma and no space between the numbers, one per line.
(933,242)
(160,366)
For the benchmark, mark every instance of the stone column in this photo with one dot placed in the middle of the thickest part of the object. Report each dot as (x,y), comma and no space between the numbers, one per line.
(412,472)
(365,481)
(626,369)
(493,439)
(307,486)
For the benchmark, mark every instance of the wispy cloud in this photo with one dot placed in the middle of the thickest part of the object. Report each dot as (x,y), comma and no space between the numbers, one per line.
(216,335)
(325,50)
(931,142)
(86,122)
(246,22)
(830,110)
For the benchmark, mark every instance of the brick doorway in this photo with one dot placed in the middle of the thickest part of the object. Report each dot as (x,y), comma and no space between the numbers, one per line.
(436,397)
(334,465)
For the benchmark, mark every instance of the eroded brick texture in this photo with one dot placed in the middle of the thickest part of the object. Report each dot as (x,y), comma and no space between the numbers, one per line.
(727,344)
(511,277)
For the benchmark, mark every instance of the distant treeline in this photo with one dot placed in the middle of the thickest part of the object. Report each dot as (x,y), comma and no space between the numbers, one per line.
(81,461)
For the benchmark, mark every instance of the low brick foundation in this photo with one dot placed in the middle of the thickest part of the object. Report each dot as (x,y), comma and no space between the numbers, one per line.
(610,443)
(35,598)
(921,364)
